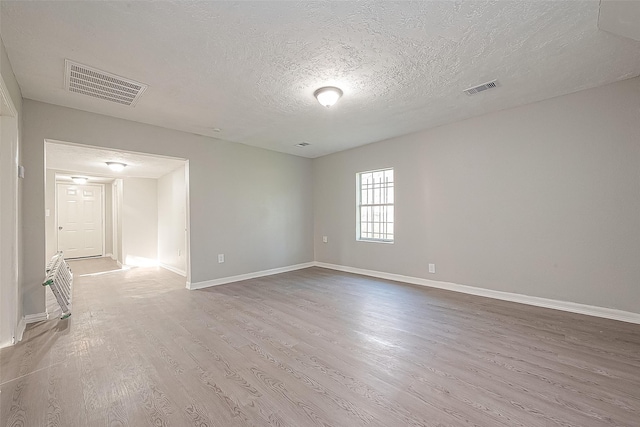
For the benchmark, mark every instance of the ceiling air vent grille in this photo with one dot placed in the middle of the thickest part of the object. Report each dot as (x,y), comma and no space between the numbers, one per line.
(481,88)
(89,81)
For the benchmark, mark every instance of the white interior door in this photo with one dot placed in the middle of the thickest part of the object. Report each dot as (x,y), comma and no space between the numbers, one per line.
(80,224)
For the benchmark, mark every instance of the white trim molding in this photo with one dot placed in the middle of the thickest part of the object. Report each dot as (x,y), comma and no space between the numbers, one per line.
(240,277)
(37,317)
(173,269)
(17,335)
(22,325)
(589,310)
(11,245)
(4,92)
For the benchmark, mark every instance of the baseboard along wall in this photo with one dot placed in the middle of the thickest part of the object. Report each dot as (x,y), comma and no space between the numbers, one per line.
(240,277)
(173,269)
(572,307)
(590,310)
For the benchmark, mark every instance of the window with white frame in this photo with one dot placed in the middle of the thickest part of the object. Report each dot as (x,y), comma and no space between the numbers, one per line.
(375,221)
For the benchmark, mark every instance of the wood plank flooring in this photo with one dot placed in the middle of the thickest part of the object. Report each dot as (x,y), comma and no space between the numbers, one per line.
(313,347)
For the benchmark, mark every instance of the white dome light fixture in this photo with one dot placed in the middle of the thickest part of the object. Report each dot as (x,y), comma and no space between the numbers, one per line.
(79,179)
(328,95)
(116,166)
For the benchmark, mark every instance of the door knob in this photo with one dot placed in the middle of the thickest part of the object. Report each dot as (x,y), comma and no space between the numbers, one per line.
(60,228)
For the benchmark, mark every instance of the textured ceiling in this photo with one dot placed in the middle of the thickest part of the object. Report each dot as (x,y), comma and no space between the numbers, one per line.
(250,68)
(88,161)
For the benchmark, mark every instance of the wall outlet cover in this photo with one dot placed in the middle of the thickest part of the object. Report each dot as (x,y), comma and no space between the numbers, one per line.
(432,268)
(220,258)
(325,239)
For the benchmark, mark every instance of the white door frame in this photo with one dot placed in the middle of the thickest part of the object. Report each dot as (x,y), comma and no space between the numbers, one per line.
(187,212)
(10,293)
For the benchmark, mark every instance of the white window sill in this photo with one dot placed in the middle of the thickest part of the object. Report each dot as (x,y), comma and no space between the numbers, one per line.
(389,242)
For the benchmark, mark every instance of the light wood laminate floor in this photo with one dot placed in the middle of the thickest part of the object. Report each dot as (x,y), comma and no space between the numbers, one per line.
(313,347)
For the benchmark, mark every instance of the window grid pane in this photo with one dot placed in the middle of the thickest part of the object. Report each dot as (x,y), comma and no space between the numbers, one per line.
(376,205)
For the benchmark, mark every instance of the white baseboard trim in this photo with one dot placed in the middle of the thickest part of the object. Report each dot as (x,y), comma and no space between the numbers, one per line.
(589,310)
(118,263)
(37,317)
(240,277)
(22,325)
(108,256)
(173,269)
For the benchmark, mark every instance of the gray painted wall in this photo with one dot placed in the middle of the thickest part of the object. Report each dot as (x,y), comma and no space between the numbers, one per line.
(541,200)
(253,205)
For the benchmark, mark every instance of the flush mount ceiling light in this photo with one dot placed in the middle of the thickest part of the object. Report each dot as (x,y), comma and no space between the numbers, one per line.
(79,179)
(328,95)
(116,166)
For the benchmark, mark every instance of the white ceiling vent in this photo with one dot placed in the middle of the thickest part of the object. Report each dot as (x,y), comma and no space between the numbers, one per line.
(481,88)
(89,81)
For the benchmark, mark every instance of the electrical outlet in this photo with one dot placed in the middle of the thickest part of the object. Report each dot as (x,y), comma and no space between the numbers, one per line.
(325,239)
(220,258)
(432,268)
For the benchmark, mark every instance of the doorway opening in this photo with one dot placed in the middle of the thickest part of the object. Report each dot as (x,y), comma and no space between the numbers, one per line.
(138,216)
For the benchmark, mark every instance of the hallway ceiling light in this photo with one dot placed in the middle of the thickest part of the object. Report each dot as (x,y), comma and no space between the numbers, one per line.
(116,166)
(328,95)
(79,179)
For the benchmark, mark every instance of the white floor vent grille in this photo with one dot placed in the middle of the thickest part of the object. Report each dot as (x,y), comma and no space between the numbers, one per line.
(89,81)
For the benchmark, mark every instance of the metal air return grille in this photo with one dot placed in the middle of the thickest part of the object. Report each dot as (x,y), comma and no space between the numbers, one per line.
(89,81)
(481,88)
